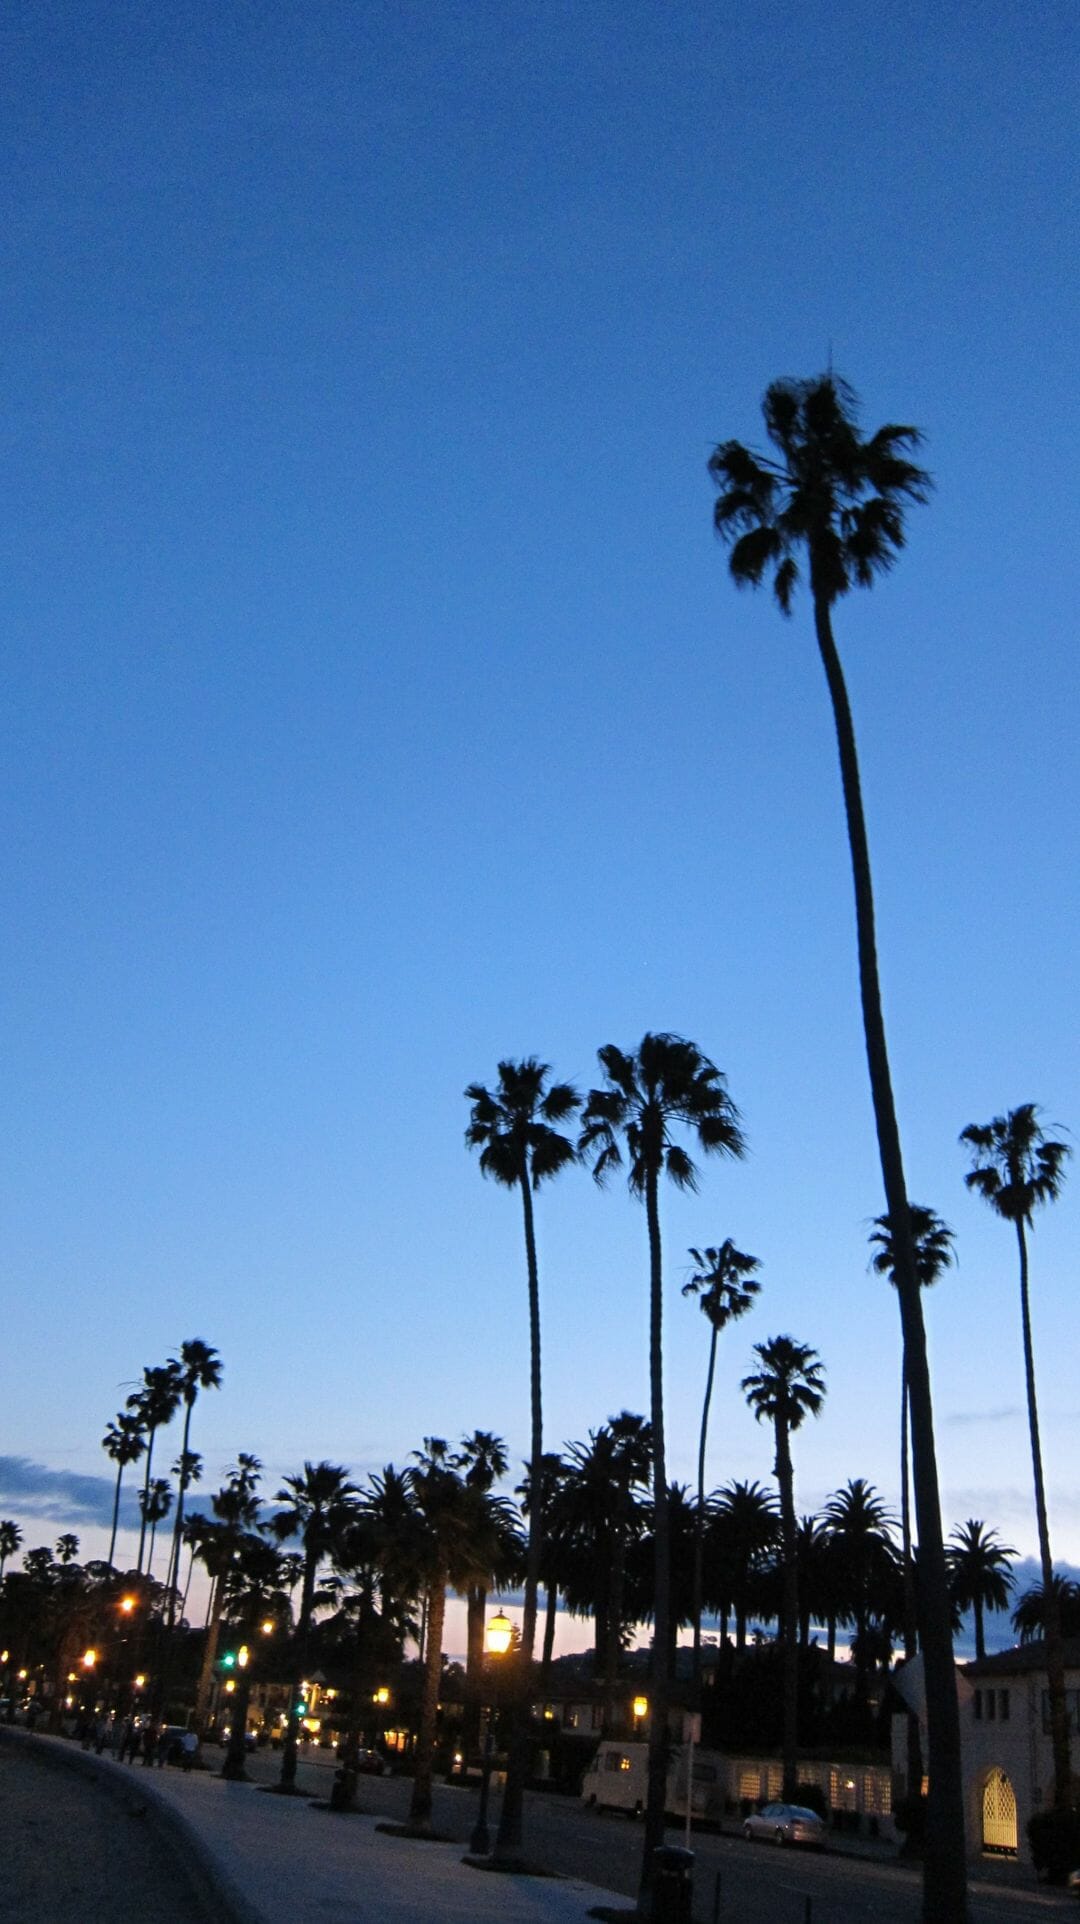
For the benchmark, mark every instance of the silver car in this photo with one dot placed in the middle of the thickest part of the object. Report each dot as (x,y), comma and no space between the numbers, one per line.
(786,1824)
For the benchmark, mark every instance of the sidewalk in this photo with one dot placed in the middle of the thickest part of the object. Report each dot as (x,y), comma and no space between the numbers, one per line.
(274,1860)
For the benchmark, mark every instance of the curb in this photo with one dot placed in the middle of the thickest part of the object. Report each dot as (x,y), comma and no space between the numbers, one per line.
(214,1885)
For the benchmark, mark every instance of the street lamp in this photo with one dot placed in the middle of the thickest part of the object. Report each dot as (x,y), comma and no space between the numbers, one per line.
(498,1637)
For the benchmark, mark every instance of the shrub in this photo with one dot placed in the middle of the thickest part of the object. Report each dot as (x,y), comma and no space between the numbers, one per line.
(1054,1836)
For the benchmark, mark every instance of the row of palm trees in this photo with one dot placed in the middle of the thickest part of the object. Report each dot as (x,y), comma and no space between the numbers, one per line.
(165,1389)
(828,498)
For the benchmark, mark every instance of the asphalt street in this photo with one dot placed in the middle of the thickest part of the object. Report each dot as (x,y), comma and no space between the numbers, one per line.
(735,1882)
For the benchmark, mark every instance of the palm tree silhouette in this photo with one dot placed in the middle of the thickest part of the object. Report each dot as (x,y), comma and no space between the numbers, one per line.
(319,1506)
(789,1386)
(198,1367)
(981,1577)
(236,1514)
(665,1086)
(932,1242)
(1029,1617)
(840,499)
(743,1531)
(155,1504)
(860,1529)
(1016,1168)
(482,1459)
(124,1442)
(155,1404)
(435,1534)
(10,1538)
(724,1285)
(514,1128)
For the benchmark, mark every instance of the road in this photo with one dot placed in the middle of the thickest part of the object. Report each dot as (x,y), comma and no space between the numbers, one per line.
(758,1883)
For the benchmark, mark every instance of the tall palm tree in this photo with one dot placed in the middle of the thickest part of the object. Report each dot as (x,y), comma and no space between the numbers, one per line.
(1016,1168)
(515,1128)
(788,1386)
(981,1575)
(257,1591)
(319,1506)
(428,1522)
(236,1514)
(839,499)
(932,1243)
(10,1540)
(124,1442)
(482,1459)
(67,1547)
(198,1367)
(667,1085)
(724,1284)
(555,1474)
(155,1404)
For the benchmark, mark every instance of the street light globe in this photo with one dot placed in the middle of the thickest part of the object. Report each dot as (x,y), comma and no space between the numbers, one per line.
(641,1706)
(382,1695)
(499,1635)
(89,1659)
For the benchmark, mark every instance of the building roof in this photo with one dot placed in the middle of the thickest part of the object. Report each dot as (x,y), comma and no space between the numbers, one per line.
(1022,1660)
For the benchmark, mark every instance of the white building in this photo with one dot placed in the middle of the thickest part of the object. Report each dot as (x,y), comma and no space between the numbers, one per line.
(1008,1762)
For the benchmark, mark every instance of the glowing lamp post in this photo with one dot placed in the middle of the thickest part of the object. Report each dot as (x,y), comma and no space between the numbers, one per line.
(498,1637)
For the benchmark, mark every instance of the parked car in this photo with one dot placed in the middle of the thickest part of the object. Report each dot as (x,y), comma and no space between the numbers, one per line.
(786,1824)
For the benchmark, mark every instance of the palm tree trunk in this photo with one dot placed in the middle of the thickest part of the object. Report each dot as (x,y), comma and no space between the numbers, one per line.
(287,1780)
(911,1636)
(173,1579)
(656,1796)
(944,1868)
(699,1520)
(475,1607)
(508,1840)
(146,1493)
(1055,1655)
(790,1622)
(206,1672)
(613,1646)
(550,1617)
(420,1807)
(115,1520)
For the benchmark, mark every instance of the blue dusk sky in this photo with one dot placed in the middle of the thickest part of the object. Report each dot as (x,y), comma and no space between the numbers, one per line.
(377,704)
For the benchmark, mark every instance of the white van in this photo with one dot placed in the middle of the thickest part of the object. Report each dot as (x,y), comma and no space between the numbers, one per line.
(618,1777)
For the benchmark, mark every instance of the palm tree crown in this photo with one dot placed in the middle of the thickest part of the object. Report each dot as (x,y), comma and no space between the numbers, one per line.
(832,493)
(1015,1166)
(668,1081)
(514,1126)
(982,1579)
(789,1385)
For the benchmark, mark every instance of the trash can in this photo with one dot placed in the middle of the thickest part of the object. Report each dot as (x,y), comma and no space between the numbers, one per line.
(673,1885)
